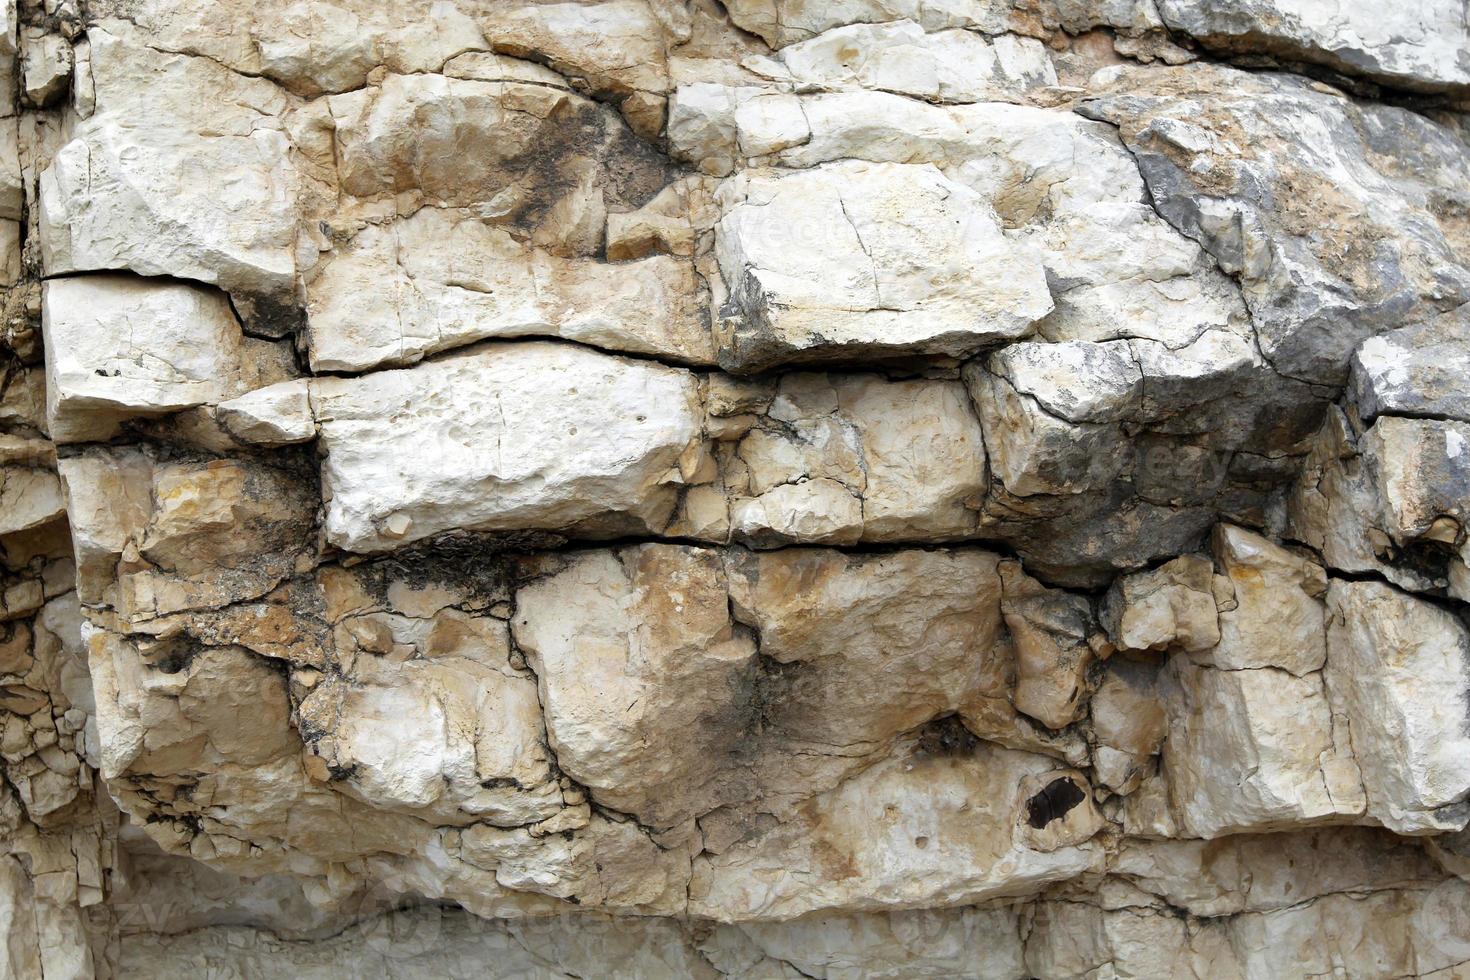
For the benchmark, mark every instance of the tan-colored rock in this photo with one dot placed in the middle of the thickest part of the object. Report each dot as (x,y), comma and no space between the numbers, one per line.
(649,686)
(1255,749)
(1277,618)
(276,415)
(121,347)
(870,489)
(955,829)
(1049,631)
(666,707)
(491,286)
(1129,724)
(1173,605)
(155,537)
(841,459)
(942,66)
(136,187)
(397,142)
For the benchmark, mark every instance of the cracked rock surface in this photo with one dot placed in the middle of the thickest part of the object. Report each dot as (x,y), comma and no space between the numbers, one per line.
(762,489)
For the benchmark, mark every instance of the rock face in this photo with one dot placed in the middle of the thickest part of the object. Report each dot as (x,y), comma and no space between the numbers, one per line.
(1422,45)
(921,267)
(870,489)
(506,438)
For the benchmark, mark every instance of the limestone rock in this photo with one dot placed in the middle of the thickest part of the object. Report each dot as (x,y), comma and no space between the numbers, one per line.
(486,455)
(964,817)
(1173,605)
(121,347)
(1388,500)
(1276,619)
(763,489)
(1254,749)
(617,46)
(1129,724)
(839,459)
(943,66)
(1418,45)
(45,67)
(1050,630)
(491,285)
(1051,413)
(397,142)
(155,537)
(276,415)
(667,707)
(868,288)
(309,47)
(783,22)
(1418,371)
(136,187)
(29,496)
(1200,133)
(1397,671)
(645,678)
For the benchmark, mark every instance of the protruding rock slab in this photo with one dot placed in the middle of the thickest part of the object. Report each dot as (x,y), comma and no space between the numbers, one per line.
(504,437)
(185,170)
(1417,371)
(900,56)
(1415,44)
(1398,669)
(856,261)
(444,278)
(836,459)
(1338,217)
(1253,750)
(120,346)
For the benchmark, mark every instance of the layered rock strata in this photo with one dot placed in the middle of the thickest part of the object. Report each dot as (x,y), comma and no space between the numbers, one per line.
(891,488)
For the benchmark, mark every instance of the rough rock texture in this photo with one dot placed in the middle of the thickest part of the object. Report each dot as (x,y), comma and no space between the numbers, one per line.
(763,489)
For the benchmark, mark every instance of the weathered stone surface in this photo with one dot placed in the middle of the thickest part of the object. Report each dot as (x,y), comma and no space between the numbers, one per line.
(868,289)
(1418,371)
(1338,218)
(677,682)
(276,415)
(1129,724)
(1173,605)
(901,57)
(397,145)
(1050,632)
(1389,500)
(1253,750)
(137,187)
(487,455)
(954,821)
(484,283)
(836,459)
(29,496)
(1417,45)
(155,537)
(1274,611)
(869,489)
(783,22)
(647,681)
(120,347)
(1398,669)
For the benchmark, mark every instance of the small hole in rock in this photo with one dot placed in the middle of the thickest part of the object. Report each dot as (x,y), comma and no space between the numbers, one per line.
(1053,802)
